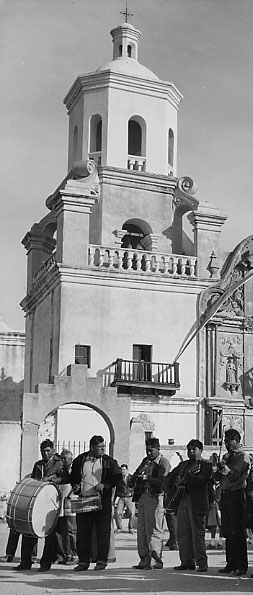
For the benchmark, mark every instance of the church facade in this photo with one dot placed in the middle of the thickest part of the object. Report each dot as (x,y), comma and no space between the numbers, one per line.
(115,283)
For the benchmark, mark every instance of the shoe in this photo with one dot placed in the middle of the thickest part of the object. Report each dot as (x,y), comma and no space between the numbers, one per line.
(69,562)
(182,567)
(6,558)
(118,531)
(211,547)
(43,568)
(64,561)
(21,567)
(130,531)
(220,546)
(100,566)
(240,571)
(142,566)
(202,569)
(226,570)
(81,567)
(158,565)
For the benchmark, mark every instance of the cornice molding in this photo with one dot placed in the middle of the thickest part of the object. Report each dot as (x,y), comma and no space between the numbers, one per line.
(116,279)
(135,179)
(117,80)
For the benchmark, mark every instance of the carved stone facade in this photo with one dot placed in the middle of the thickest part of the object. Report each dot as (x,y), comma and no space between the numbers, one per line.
(227,345)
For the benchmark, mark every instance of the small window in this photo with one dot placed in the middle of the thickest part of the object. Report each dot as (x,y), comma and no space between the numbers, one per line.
(82,355)
(171,148)
(120,50)
(134,138)
(95,133)
(75,141)
(129,51)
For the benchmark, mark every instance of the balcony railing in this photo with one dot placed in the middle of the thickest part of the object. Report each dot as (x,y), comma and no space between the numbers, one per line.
(144,374)
(124,259)
(136,163)
(44,269)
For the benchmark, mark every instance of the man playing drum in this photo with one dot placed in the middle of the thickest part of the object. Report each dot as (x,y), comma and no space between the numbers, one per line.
(48,469)
(94,473)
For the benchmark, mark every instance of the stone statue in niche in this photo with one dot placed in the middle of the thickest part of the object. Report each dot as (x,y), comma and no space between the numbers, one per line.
(231,375)
(230,371)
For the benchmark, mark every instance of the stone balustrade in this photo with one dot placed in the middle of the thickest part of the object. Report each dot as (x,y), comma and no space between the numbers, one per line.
(43,270)
(125,259)
(136,163)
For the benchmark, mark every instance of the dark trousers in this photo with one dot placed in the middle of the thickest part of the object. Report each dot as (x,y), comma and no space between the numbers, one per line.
(102,521)
(172,527)
(233,519)
(12,543)
(190,534)
(49,552)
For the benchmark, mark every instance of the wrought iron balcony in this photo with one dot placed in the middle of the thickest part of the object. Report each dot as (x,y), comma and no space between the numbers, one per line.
(133,374)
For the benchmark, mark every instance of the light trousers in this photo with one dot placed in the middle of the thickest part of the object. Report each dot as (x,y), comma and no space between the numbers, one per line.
(150,526)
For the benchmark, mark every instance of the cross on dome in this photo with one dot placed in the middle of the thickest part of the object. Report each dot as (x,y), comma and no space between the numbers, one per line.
(126,14)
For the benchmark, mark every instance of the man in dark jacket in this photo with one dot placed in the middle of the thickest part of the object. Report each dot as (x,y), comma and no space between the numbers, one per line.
(147,481)
(94,473)
(48,468)
(232,472)
(193,478)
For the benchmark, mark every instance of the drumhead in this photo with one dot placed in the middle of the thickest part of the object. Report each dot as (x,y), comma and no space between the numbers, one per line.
(45,510)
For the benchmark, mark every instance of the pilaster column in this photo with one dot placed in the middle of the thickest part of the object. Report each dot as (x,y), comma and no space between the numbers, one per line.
(207,223)
(72,208)
(150,242)
(119,233)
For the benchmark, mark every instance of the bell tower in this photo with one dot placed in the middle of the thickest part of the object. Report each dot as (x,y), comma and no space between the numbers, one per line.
(122,115)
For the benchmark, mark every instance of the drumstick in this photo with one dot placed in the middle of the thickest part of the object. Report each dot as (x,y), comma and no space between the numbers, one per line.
(54,503)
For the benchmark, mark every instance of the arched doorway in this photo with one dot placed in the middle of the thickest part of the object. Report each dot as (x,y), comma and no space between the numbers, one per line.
(72,425)
(136,230)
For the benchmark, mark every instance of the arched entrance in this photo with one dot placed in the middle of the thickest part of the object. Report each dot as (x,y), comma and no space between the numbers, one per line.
(72,425)
(75,388)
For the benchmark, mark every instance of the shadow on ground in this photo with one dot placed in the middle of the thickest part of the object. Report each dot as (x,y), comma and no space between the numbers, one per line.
(127,581)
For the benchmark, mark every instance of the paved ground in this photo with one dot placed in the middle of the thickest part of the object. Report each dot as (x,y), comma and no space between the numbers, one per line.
(120,577)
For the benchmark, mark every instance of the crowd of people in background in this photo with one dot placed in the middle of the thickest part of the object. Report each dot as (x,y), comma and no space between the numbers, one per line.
(194,497)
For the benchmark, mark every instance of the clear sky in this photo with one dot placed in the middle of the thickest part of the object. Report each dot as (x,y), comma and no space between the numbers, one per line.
(203,46)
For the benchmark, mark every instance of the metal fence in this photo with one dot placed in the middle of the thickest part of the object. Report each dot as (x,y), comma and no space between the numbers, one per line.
(75,447)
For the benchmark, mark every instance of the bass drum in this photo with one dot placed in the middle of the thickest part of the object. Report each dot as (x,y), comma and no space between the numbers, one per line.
(34,507)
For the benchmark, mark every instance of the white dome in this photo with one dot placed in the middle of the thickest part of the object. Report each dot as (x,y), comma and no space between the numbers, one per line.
(129,66)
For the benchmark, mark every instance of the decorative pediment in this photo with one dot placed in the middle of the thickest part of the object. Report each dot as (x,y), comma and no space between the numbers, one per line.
(82,180)
(226,296)
(184,194)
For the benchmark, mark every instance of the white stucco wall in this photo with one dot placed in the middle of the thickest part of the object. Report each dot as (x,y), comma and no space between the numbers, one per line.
(10,435)
(112,317)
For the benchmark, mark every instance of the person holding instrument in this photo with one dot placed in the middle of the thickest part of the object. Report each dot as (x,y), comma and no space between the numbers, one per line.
(232,472)
(94,473)
(192,478)
(148,492)
(48,468)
